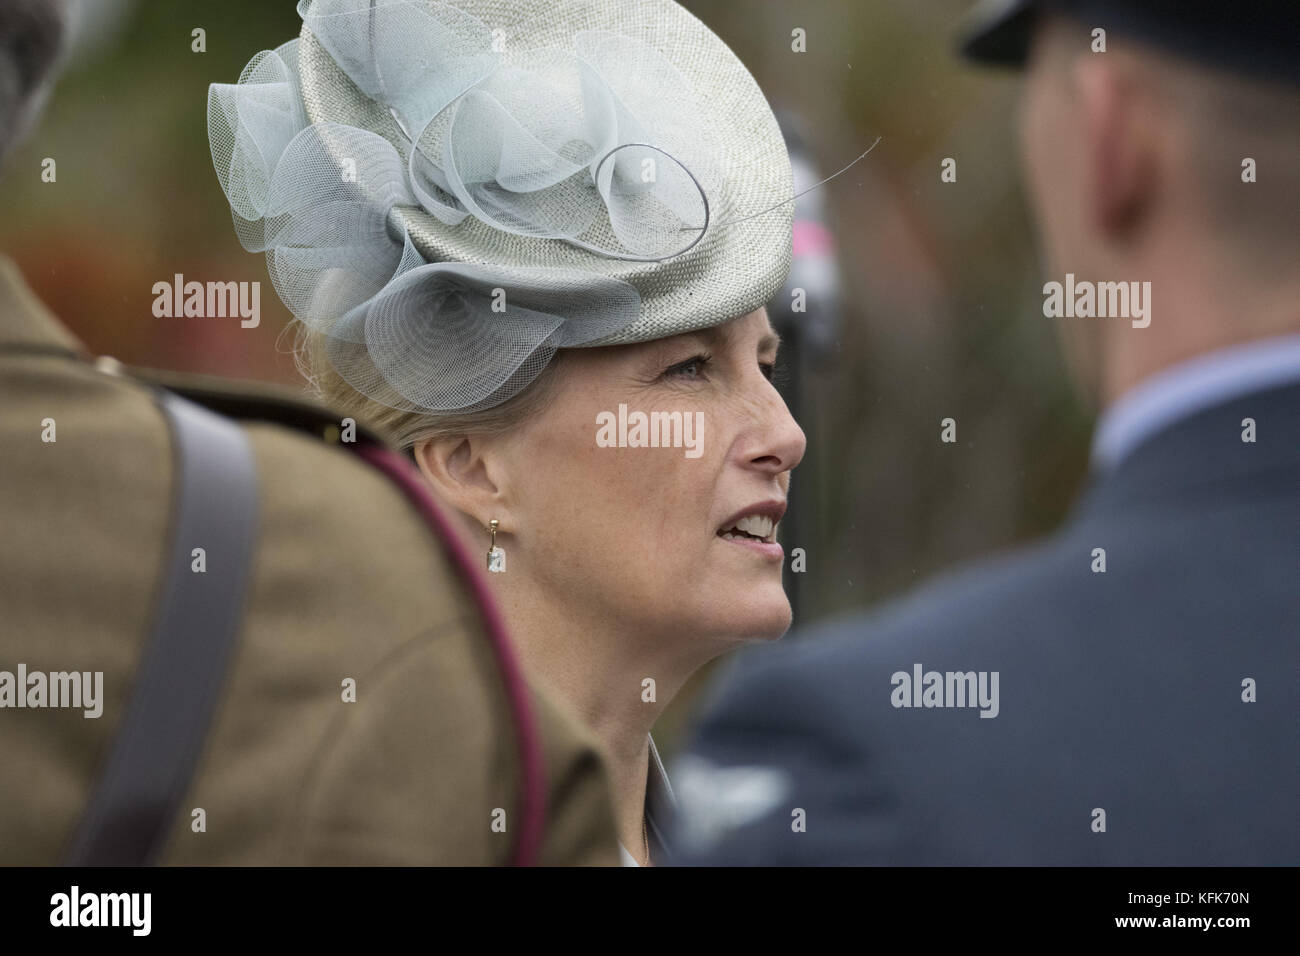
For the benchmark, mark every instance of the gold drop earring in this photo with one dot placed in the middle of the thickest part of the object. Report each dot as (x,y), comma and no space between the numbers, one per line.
(496,558)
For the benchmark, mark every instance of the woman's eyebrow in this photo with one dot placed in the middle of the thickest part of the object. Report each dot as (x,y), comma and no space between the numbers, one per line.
(717,334)
(713,335)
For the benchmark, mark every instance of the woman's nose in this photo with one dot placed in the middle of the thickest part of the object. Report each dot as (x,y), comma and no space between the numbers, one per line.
(778,443)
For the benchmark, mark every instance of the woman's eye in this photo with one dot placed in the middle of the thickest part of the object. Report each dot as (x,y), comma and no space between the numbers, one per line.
(768,369)
(692,368)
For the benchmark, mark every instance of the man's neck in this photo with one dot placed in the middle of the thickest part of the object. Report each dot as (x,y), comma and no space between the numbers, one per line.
(1200,304)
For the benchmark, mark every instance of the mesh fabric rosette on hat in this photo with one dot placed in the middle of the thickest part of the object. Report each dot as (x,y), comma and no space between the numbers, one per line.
(451,193)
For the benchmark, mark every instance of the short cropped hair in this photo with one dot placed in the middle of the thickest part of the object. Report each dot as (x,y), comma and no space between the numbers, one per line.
(1228,118)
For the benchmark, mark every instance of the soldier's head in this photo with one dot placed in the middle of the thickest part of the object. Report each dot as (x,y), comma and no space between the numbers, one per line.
(31,35)
(1161,143)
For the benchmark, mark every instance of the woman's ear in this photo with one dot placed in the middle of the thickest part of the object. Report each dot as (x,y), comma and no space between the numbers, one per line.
(461,473)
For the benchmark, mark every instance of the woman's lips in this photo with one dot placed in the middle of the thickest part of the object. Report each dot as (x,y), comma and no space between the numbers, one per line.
(771,550)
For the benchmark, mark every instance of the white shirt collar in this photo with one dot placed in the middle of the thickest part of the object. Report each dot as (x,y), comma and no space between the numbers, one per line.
(1182,390)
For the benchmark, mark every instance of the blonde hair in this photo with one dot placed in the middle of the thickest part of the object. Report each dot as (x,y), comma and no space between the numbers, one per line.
(407,429)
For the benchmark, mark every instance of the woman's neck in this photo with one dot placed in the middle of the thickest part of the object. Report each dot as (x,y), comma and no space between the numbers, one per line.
(617,680)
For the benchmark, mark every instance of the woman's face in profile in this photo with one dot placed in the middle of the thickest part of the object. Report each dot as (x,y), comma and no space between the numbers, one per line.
(678,539)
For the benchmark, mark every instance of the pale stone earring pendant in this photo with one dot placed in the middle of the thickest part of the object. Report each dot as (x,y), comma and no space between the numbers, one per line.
(496,558)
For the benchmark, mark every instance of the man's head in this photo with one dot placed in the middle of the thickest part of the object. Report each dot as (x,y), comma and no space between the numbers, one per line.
(31,36)
(1136,163)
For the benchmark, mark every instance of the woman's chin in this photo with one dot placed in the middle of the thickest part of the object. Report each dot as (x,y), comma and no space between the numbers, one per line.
(756,617)
(776,628)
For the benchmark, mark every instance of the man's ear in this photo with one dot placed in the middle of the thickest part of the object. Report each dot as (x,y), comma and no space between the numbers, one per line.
(462,472)
(1118,132)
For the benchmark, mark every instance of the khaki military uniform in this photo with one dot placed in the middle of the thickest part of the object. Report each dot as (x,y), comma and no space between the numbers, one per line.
(346,582)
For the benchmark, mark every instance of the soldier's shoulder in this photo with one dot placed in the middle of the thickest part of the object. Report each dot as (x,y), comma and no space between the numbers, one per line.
(256,401)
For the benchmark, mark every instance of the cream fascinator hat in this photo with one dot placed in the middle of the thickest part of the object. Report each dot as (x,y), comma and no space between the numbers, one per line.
(451,192)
